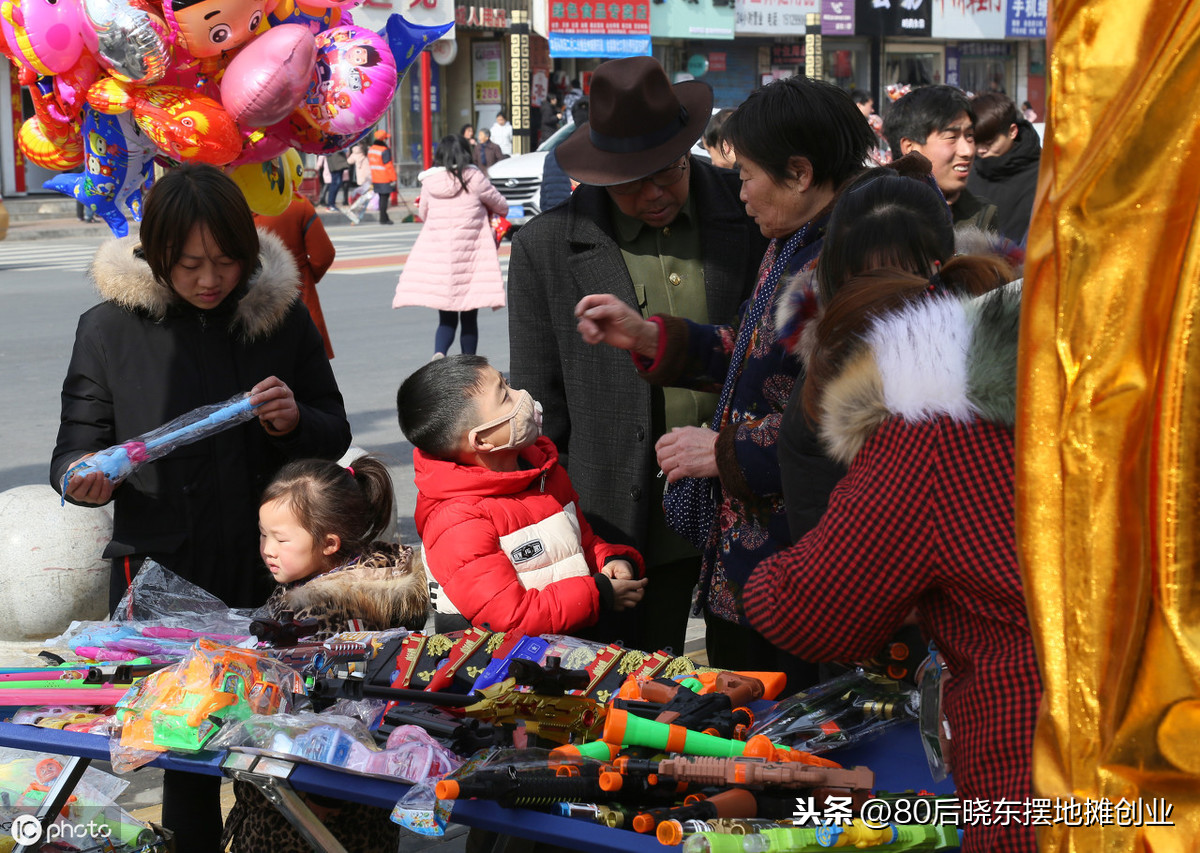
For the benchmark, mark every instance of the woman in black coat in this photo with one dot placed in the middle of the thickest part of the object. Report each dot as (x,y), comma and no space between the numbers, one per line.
(198,308)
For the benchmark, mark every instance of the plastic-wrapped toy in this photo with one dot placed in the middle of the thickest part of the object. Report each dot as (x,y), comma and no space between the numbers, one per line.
(180,708)
(339,741)
(118,462)
(845,710)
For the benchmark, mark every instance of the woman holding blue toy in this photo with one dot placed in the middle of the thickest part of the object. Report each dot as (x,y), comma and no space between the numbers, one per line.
(197,308)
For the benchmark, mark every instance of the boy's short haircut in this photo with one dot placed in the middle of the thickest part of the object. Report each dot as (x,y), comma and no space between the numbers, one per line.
(924,111)
(994,115)
(435,403)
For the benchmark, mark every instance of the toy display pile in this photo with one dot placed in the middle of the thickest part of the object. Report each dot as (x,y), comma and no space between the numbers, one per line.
(242,84)
(643,742)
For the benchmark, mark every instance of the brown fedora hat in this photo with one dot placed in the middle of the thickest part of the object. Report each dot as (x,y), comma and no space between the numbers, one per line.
(639,123)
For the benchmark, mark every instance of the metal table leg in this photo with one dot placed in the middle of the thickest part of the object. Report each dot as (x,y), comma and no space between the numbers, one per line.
(270,776)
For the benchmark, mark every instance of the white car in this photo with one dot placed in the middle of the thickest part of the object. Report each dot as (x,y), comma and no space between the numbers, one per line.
(519,178)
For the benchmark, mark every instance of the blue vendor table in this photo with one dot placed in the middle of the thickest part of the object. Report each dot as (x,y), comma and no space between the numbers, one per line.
(896,757)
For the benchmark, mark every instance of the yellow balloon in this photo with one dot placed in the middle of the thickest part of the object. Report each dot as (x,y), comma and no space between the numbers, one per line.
(293,168)
(268,186)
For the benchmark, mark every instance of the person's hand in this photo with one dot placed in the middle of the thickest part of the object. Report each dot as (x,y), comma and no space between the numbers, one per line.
(626,593)
(618,570)
(94,489)
(687,452)
(605,319)
(276,406)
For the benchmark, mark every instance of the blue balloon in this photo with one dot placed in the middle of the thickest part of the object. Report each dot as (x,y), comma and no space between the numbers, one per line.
(407,40)
(118,168)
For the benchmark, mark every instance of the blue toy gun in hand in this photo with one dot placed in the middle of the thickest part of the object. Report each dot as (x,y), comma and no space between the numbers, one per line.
(118,462)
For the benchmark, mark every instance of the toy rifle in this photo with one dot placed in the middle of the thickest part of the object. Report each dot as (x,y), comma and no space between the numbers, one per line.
(890,838)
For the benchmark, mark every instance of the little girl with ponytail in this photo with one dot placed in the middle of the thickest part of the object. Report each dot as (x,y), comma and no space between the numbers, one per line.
(319,529)
(319,526)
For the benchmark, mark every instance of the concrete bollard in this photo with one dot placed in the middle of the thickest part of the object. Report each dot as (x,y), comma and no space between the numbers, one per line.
(51,571)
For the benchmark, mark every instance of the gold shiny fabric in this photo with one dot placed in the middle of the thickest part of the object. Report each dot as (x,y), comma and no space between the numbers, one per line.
(1108,433)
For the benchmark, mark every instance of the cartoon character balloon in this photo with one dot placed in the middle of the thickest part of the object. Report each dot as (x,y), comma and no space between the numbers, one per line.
(117,169)
(43,34)
(270,185)
(315,17)
(352,83)
(268,77)
(208,28)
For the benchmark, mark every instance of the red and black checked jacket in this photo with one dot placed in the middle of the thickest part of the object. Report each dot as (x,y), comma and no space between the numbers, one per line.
(924,518)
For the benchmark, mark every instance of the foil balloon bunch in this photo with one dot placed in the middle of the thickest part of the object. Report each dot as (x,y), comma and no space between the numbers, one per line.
(241,84)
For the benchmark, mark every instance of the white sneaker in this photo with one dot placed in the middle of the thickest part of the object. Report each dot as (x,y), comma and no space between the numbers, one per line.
(438,355)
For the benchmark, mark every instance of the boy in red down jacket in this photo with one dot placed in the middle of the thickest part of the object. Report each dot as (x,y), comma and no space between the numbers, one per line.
(500,522)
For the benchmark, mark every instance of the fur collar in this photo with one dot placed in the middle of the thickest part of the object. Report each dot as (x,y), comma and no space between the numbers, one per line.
(125,280)
(936,357)
(386,590)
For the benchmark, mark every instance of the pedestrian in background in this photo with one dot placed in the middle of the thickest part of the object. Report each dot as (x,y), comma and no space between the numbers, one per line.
(383,173)
(487,152)
(362,193)
(302,231)
(337,163)
(502,133)
(454,267)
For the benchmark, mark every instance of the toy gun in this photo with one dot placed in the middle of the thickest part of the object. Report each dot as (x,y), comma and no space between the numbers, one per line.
(119,461)
(892,838)
(672,832)
(511,786)
(733,803)
(553,715)
(624,729)
(284,631)
(463,736)
(718,713)
(838,712)
(755,773)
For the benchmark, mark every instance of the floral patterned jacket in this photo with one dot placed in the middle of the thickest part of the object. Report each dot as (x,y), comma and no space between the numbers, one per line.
(751,522)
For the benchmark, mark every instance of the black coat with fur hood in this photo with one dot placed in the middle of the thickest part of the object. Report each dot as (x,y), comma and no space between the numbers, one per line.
(385,589)
(144,356)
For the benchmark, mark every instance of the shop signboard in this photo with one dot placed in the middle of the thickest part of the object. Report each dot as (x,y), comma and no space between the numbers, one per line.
(837,17)
(599,28)
(896,18)
(771,17)
(1026,19)
(694,19)
(434,92)
(967,19)
(487,72)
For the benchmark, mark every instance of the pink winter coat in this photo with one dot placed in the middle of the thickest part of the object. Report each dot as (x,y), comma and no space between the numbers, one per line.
(453,266)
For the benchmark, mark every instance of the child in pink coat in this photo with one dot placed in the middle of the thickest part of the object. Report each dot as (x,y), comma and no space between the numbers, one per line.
(454,266)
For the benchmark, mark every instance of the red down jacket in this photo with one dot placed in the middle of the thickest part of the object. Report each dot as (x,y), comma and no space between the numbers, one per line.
(511,548)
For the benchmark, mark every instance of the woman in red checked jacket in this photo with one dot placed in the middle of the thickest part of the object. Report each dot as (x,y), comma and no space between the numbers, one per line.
(914,388)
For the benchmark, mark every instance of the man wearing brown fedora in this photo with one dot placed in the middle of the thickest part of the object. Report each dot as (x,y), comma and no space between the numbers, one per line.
(667,234)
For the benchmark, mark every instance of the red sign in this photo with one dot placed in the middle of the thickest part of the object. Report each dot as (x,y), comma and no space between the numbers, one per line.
(595,17)
(716,62)
(481,18)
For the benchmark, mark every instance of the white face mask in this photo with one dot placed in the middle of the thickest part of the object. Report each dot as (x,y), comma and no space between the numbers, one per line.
(526,418)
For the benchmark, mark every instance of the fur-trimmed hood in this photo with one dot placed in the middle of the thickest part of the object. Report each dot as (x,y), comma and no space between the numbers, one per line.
(386,590)
(942,356)
(125,280)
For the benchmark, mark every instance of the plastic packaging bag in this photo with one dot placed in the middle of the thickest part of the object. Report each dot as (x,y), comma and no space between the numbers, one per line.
(181,707)
(119,461)
(848,709)
(411,755)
